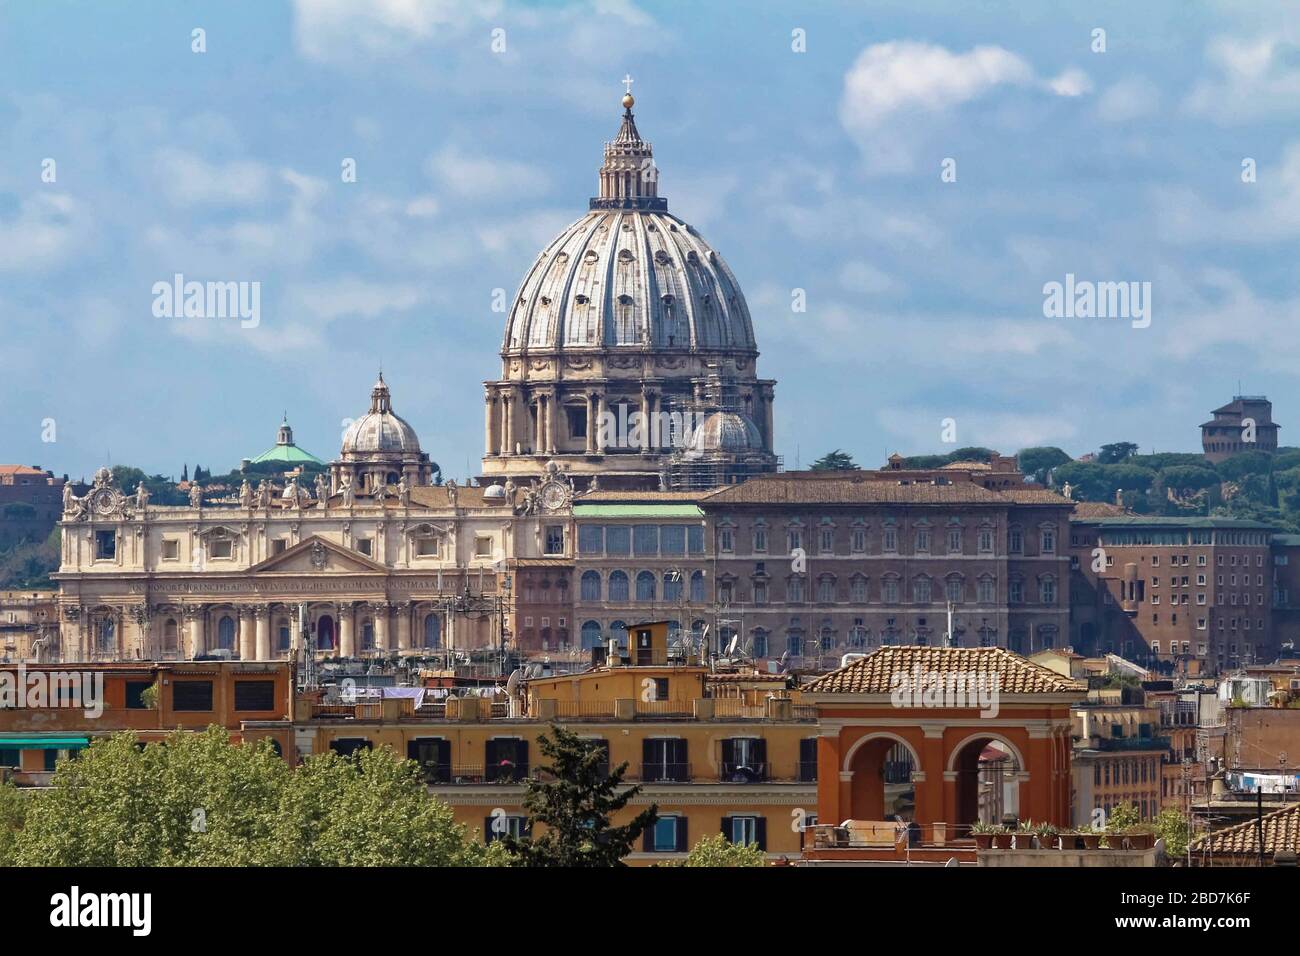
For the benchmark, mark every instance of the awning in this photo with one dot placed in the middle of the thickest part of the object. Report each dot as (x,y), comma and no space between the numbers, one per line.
(42,743)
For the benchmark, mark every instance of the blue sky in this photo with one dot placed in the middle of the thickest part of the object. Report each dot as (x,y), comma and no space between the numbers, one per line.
(817,170)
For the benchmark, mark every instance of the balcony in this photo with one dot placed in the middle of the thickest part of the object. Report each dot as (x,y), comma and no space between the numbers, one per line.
(1122,744)
(660,772)
(743,772)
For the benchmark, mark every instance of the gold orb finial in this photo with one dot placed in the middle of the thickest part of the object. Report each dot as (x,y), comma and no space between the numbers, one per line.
(628,100)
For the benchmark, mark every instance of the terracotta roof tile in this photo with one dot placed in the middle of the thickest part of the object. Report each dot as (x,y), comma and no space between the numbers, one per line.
(874,674)
(1281,832)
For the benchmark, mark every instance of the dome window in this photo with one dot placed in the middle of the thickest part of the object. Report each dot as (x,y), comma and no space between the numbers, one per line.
(626,255)
(591,257)
(663,258)
(581,299)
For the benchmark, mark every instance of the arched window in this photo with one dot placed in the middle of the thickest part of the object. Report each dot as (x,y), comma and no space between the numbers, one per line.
(226,633)
(794,643)
(645,586)
(858,589)
(170,634)
(672,585)
(697,587)
(368,635)
(760,643)
(325,633)
(432,631)
(826,589)
(955,590)
(107,635)
(890,591)
(618,631)
(590,586)
(985,590)
(282,636)
(618,586)
(590,634)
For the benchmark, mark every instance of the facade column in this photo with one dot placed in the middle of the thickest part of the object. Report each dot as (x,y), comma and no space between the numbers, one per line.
(552,421)
(601,411)
(247,642)
(507,422)
(195,616)
(347,632)
(591,424)
(767,418)
(829,796)
(404,627)
(381,627)
(645,422)
(262,640)
(490,425)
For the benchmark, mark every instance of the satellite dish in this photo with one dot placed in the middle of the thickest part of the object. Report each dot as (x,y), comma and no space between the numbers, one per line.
(512,684)
(735,642)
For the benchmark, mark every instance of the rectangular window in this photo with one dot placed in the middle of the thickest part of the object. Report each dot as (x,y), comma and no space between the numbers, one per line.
(760,540)
(192,695)
(889,541)
(664,838)
(645,539)
(859,540)
(279,545)
(482,546)
(135,693)
(618,539)
(221,548)
(591,539)
(367,546)
(105,545)
(672,539)
(554,539)
(171,549)
(425,547)
(695,539)
(827,543)
(254,695)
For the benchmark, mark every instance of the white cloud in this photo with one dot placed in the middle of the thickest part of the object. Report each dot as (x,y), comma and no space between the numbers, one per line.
(341,29)
(1254,78)
(353,296)
(1006,432)
(1128,99)
(482,177)
(1072,82)
(48,228)
(914,81)
(189,180)
(865,278)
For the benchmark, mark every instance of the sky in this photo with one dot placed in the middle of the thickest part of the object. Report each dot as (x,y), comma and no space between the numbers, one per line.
(915,173)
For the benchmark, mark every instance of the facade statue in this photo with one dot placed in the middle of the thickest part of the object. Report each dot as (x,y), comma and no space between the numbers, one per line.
(349,492)
(245,495)
(141,496)
(451,491)
(404,490)
(263,494)
(196,495)
(322,493)
(69,499)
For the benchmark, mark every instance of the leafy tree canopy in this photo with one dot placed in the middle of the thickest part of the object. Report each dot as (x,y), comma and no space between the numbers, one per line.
(835,461)
(1116,452)
(199,800)
(1038,461)
(718,851)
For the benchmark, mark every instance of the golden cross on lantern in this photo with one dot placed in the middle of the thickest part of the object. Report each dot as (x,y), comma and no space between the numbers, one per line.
(627,82)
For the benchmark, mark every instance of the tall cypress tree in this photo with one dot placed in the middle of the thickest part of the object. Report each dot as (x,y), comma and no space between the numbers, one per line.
(576,805)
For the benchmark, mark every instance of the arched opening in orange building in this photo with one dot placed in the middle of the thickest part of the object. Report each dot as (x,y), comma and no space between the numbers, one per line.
(987,776)
(881,786)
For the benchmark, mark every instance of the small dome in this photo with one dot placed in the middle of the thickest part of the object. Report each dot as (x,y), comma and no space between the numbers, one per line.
(381,429)
(725,432)
(494,492)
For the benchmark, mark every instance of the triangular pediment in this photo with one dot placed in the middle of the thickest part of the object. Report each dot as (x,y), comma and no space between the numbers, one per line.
(317,555)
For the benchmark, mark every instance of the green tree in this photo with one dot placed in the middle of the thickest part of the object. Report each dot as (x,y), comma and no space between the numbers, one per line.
(1040,460)
(1184,478)
(835,461)
(128,478)
(576,805)
(13,808)
(1116,452)
(1238,467)
(1172,826)
(199,800)
(718,851)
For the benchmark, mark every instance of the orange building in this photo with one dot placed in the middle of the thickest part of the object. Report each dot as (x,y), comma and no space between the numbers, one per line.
(962,721)
(50,710)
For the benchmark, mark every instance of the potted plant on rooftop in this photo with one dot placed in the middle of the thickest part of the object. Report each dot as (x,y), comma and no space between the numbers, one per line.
(983,834)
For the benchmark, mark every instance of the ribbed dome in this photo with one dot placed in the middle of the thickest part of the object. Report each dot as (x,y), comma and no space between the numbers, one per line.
(629,278)
(381,429)
(725,432)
